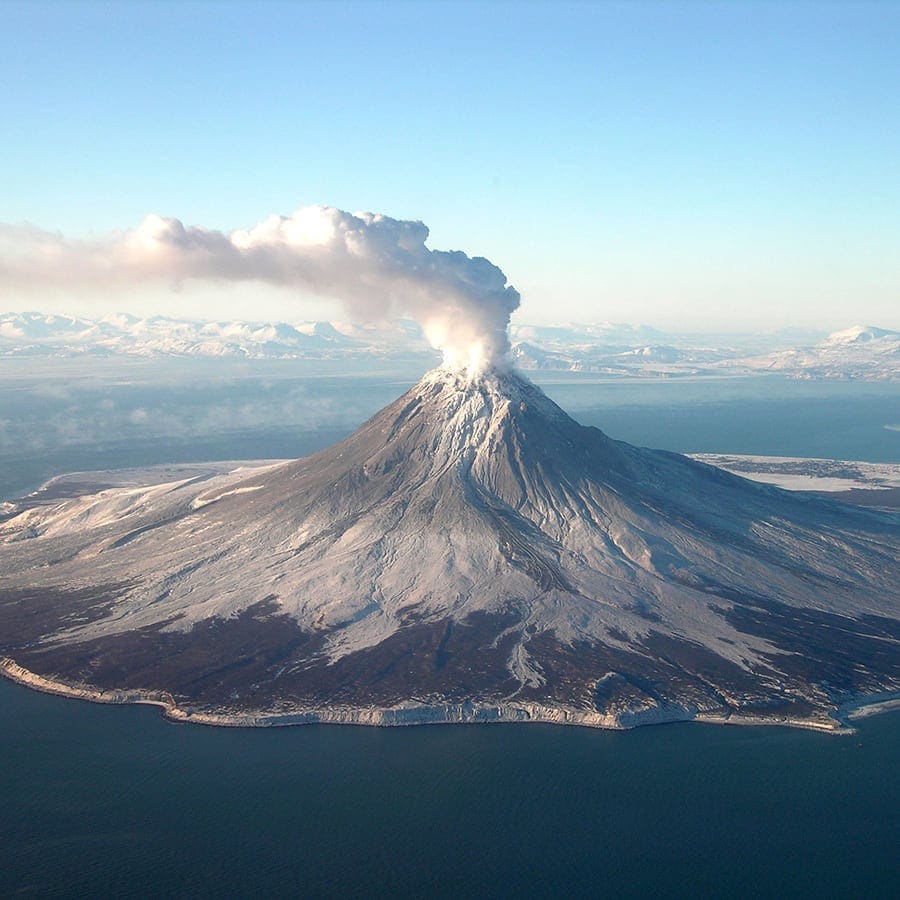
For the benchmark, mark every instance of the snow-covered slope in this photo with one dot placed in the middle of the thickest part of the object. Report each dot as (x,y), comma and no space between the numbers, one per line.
(862,353)
(35,334)
(860,334)
(470,547)
(859,353)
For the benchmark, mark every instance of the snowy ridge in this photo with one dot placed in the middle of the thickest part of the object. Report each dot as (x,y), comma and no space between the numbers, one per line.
(35,334)
(860,352)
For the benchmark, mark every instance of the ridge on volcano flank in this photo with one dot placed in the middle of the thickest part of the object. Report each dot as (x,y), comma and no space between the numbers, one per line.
(469,553)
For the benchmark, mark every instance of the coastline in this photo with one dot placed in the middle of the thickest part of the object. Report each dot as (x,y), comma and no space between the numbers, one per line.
(838,722)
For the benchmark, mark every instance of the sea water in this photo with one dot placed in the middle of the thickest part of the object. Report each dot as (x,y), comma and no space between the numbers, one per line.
(115,801)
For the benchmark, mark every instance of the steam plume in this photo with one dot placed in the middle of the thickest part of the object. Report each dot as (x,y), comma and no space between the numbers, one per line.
(377,266)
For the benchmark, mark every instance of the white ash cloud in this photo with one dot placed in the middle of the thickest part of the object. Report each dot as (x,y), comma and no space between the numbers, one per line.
(378,267)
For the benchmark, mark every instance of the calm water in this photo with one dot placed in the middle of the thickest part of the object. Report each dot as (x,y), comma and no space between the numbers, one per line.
(99,801)
(109,800)
(67,415)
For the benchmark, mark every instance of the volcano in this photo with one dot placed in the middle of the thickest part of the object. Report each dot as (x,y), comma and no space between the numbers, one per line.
(471,553)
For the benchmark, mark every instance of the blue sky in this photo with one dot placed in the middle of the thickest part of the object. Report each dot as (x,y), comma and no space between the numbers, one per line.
(687,165)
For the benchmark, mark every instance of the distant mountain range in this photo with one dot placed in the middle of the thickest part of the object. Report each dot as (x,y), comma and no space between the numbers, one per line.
(859,353)
(37,334)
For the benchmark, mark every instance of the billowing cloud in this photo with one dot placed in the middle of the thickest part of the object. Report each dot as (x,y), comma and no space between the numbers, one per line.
(378,267)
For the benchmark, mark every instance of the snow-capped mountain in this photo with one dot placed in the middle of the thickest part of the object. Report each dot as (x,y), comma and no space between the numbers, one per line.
(608,348)
(861,334)
(863,353)
(471,552)
(35,334)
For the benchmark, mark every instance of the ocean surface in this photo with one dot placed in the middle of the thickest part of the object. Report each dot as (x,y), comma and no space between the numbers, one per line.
(115,801)
(72,415)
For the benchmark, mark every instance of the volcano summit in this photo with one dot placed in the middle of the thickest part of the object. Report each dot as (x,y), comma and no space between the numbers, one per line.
(469,554)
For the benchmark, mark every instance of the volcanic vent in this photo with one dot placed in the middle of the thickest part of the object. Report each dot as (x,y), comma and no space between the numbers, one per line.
(470,553)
